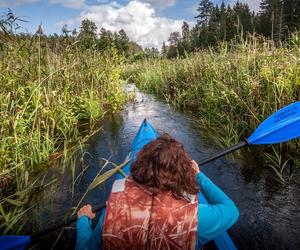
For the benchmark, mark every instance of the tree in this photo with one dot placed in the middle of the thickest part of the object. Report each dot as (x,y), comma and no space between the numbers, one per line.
(74,32)
(174,38)
(244,19)
(271,16)
(185,30)
(186,37)
(223,17)
(88,34)
(172,52)
(135,51)
(230,23)
(105,39)
(88,29)
(122,41)
(174,41)
(152,52)
(164,50)
(214,27)
(205,9)
(291,16)
(195,38)
(65,30)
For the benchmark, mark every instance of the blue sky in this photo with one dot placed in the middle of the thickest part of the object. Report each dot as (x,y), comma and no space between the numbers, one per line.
(147,22)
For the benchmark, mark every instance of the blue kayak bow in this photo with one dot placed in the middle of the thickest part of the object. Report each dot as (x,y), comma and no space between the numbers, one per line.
(282,126)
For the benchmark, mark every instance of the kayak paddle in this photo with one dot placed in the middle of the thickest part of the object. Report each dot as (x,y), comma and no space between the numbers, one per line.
(282,126)
(11,242)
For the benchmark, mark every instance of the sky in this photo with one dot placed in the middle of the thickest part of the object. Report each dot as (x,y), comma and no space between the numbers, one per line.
(147,22)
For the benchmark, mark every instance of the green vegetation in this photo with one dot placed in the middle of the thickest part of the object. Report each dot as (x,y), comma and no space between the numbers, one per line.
(276,20)
(231,89)
(48,88)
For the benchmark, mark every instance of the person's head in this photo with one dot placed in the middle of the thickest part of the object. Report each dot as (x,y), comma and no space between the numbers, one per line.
(164,165)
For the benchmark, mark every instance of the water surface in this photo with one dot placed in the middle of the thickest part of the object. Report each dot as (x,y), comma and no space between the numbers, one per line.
(269,212)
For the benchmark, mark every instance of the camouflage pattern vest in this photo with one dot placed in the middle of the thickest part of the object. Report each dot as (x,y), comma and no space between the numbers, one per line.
(137,220)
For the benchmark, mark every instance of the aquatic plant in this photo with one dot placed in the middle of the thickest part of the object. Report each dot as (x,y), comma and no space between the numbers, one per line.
(46,93)
(230,88)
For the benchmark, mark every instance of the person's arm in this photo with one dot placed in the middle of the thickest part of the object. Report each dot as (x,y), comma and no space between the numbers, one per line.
(87,239)
(84,232)
(217,216)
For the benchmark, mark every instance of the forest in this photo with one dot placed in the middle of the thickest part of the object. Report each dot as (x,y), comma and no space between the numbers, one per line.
(276,21)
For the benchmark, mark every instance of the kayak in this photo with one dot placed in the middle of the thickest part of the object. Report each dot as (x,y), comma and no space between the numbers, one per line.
(146,134)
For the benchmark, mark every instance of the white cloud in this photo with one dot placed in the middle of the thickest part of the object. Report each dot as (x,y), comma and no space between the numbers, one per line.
(76,4)
(12,3)
(161,4)
(253,4)
(138,19)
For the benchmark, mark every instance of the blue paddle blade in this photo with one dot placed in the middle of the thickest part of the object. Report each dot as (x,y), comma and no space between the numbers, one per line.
(14,242)
(282,126)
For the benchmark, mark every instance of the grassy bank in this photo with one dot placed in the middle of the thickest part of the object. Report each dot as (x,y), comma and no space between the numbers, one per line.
(231,89)
(46,92)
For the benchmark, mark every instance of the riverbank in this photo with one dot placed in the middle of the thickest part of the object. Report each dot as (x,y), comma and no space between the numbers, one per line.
(231,89)
(47,91)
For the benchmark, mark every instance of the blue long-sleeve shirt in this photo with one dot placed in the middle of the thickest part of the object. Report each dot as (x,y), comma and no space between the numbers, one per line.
(213,218)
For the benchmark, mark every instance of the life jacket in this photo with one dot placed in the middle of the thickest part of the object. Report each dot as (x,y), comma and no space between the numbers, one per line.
(136,219)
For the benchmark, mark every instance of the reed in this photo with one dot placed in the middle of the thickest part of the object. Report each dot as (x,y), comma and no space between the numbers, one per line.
(46,92)
(230,88)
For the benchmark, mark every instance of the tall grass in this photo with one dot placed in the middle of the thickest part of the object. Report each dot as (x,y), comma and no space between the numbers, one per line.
(45,94)
(231,88)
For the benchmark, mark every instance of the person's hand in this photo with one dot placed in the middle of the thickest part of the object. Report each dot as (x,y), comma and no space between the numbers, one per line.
(86,210)
(195,167)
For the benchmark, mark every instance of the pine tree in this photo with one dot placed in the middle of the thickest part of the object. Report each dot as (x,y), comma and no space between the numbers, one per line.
(205,9)
(223,16)
(88,29)
(271,16)
(185,30)
(105,39)
(174,38)
(88,34)
(195,38)
(186,37)
(121,41)
(174,41)
(291,16)
(244,19)
(164,50)
(230,23)
(214,27)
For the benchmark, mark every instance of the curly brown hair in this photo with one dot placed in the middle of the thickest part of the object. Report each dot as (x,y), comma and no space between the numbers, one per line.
(163,165)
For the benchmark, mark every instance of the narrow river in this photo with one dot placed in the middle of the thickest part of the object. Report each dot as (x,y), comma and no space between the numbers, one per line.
(269,212)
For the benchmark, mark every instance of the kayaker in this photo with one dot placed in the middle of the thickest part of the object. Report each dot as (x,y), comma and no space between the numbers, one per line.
(157,206)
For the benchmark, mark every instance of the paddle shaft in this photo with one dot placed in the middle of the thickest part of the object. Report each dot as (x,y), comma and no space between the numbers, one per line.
(36,237)
(224,152)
